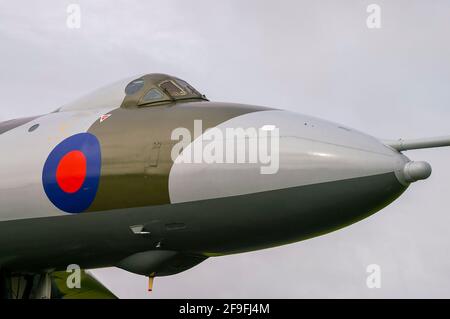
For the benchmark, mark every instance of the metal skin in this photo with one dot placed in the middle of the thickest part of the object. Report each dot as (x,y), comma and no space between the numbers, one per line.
(155,217)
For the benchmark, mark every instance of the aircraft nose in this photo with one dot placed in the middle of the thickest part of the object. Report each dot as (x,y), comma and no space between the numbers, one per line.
(325,177)
(310,151)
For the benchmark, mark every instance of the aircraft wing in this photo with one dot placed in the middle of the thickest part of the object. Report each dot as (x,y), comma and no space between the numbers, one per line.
(91,287)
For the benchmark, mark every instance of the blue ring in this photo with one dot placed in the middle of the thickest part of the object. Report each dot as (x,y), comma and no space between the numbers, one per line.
(81,200)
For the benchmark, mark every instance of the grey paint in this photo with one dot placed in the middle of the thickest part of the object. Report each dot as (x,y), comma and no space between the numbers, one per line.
(311,151)
(21,168)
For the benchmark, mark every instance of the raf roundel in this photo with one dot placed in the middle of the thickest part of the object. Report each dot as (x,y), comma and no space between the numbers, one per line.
(71,173)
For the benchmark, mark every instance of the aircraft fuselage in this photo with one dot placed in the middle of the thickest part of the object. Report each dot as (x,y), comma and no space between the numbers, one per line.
(94,186)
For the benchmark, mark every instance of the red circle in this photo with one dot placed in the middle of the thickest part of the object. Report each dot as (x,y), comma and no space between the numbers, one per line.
(71,172)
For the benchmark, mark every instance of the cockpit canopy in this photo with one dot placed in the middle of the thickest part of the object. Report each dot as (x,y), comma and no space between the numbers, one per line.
(158,88)
(139,91)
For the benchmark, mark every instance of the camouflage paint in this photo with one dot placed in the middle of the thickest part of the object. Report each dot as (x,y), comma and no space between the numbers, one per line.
(136,149)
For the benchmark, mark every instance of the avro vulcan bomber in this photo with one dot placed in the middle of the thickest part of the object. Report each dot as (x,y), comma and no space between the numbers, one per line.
(150,176)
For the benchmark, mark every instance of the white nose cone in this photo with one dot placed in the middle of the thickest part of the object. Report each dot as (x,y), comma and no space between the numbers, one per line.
(416,171)
(306,151)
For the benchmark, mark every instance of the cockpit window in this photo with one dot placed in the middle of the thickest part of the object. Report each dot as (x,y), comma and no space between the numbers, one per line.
(152,96)
(187,87)
(172,88)
(134,87)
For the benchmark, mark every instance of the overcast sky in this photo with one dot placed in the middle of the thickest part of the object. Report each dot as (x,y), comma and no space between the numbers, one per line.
(312,57)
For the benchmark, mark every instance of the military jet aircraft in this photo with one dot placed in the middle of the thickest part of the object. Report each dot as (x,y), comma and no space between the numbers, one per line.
(97,183)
